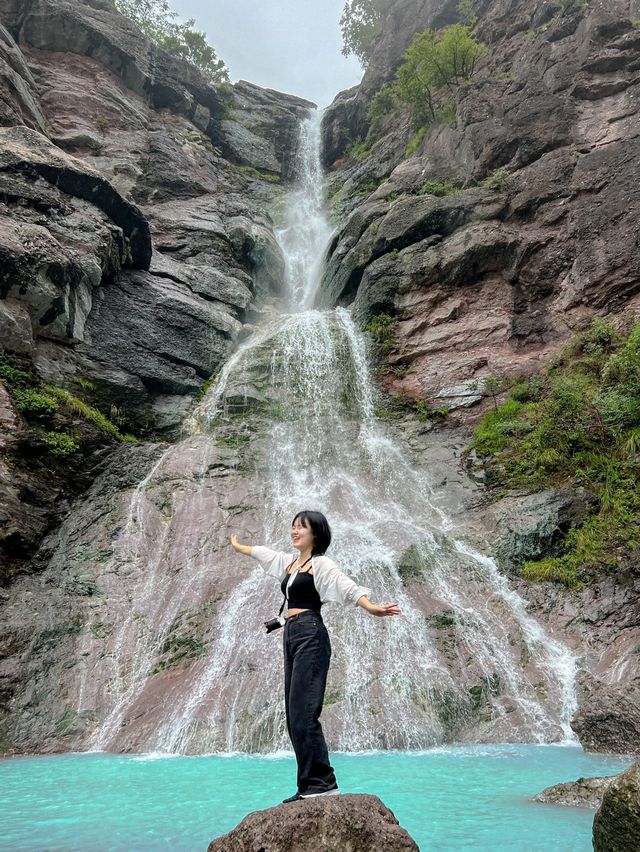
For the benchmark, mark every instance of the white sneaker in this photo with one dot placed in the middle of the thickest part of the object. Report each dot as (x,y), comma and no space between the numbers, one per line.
(335,792)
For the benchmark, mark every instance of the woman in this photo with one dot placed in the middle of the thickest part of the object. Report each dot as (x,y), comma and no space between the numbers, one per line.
(307,582)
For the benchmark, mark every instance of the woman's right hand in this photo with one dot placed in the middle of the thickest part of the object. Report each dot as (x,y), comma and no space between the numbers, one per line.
(241,548)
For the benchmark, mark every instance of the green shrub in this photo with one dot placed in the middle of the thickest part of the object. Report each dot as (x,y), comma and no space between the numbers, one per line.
(439,188)
(496,180)
(382,329)
(157,20)
(360,150)
(32,403)
(414,142)
(359,24)
(61,444)
(382,104)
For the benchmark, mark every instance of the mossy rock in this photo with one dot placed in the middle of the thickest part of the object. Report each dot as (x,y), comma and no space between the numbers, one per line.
(413,564)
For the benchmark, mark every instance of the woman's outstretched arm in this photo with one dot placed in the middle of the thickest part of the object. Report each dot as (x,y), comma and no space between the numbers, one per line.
(241,548)
(378,609)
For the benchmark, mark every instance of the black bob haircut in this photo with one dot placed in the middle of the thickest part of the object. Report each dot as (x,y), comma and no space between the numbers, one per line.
(320,528)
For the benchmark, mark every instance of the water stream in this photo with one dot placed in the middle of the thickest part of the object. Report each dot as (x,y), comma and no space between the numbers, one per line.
(290,424)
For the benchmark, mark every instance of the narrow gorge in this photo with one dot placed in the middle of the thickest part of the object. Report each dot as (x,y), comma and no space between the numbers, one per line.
(220,305)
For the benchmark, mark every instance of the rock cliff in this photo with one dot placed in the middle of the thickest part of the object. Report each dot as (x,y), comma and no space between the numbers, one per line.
(484,245)
(508,226)
(135,232)
(136,239)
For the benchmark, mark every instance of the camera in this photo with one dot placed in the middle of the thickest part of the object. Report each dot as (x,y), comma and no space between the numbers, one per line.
(274,624)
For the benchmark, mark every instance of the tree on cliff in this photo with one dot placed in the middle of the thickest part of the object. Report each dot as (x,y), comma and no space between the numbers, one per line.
(157,20)
(436,61)
(360,24)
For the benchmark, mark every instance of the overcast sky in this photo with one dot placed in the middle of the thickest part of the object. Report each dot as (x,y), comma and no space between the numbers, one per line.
(289,45)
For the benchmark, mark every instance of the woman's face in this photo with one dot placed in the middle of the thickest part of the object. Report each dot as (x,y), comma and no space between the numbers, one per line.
(301,536)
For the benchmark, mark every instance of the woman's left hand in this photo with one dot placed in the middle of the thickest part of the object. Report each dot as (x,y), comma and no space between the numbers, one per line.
(385,609)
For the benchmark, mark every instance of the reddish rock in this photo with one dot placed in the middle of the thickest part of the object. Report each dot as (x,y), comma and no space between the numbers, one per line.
(352,823)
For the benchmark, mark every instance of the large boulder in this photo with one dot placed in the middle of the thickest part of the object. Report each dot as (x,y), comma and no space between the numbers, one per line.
(351,823)
(616,827)
(608,716)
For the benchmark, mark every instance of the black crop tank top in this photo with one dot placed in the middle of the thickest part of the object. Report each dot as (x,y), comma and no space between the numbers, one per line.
(302,592)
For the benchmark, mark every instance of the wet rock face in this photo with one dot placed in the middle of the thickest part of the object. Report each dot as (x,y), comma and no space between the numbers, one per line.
(352,823)
(583,793)
(136,150)
(616,827)
(135,231)
(492,280)
(608,718)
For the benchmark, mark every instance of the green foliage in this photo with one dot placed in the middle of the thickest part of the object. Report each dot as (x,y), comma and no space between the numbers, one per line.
(360,24)
(496,180)
(250,170)
(414,142)
(88,412)
(577,423)
(82,584)
(359,150)
(436,61)
(61,444)
(157,20)
(382,328)
(439,188)
(382,104)
(33,403)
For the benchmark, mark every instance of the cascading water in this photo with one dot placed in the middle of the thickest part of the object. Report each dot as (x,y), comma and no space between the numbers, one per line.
(294,411)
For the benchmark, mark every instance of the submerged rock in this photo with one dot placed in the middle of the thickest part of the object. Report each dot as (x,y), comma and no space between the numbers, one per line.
(583,793)
(353,823)
(616,827)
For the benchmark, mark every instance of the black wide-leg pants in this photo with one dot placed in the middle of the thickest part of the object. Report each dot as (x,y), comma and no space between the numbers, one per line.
(307,654)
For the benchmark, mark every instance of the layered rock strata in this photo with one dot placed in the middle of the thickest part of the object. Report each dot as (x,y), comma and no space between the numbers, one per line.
(538,174)
(135,223)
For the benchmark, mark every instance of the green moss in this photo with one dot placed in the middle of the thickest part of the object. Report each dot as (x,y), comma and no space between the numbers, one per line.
(413,563)
(258,175)
(496,180)
(83,585)
(359,151)
(439,188)
(233,441)
(414,142)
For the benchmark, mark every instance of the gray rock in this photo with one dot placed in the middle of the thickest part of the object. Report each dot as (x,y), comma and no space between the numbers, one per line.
(583,793)
(358,823)
(26,151)
(18,98)
(616,827)
(535,525)
(608,716)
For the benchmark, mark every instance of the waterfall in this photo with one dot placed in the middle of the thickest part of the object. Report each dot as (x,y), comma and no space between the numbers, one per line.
(290,424)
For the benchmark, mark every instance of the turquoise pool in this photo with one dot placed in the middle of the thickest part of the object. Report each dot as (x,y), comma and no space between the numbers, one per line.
(467,797)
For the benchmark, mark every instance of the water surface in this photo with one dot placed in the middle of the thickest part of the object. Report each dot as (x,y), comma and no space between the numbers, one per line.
(466,797)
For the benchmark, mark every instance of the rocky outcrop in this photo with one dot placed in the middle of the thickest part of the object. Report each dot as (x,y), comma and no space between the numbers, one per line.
(358,823)
(616,827)
(583,793)
(491,277)
(608,718)
(135,225)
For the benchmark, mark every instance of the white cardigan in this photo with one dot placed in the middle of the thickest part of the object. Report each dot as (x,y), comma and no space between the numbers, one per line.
(332,584)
